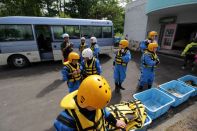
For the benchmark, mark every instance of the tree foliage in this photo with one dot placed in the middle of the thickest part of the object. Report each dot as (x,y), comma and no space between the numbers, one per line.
(92,9)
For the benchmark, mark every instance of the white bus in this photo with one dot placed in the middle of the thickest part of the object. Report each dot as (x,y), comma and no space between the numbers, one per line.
(32,39)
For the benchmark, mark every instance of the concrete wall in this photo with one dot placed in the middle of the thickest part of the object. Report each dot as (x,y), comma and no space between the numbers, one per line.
(135,20)
(153,5)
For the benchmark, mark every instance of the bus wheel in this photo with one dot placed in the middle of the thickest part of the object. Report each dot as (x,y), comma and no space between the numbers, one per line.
(18,61)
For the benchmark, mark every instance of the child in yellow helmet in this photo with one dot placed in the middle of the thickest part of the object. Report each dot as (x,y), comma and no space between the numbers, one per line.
(84,109)
(72,72)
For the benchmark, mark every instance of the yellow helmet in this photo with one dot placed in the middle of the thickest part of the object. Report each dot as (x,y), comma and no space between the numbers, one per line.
(151,46)
(152,33)
(94,91)
(73,56)
(124,43)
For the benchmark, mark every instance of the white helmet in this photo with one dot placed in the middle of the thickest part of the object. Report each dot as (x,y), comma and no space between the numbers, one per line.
(93,39)
(87,53)
(65,35)
(83,38)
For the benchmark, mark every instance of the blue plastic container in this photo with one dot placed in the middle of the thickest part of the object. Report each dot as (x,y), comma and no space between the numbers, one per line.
(146,124)
(187,78)
(155,101)
(178,90)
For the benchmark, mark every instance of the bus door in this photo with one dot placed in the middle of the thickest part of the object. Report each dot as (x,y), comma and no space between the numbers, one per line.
(44,41)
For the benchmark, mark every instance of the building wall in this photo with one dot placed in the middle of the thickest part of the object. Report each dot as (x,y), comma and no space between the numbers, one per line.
(153,5)
(183,17)
(187,16)
(135,20)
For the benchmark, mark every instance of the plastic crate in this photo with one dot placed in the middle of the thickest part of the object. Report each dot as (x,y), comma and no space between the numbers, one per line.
(187,78)
(155,101)
(178,90)
(146,124)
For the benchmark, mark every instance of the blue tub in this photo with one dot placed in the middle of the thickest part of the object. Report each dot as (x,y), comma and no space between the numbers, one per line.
(146,124)
(155,101)
(178,90)
(187,78)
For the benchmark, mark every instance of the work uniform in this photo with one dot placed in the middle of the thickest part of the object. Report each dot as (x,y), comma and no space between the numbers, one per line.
(76,118)
(149,61)
(144,44)
(66,49)
(189,52)
(73,81)
(91,67)
(120,65)
(95,49)
(81,48)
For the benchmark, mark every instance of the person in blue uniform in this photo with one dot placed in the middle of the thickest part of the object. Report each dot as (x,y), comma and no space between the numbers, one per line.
(94,47)
(84,109)
(152,38)
(71,72)
(90,64)
(122,57)
(149,61)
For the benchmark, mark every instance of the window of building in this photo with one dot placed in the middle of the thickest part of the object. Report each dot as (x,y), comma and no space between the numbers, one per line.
(89,31)
(15,32)
(107,32)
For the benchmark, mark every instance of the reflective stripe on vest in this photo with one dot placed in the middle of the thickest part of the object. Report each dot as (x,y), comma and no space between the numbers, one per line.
(91,69)
(71,69)
(132,113)
(153,57)
(84,124)
(118,58)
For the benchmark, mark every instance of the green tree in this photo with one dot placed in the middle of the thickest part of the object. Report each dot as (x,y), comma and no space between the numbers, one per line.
(21,7)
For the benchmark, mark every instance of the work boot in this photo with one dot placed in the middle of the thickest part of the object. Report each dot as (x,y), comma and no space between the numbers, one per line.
(120,86)
(140,87)
(117,90)
(149,86)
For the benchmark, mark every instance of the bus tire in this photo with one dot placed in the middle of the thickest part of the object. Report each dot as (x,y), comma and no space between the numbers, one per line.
(18,61)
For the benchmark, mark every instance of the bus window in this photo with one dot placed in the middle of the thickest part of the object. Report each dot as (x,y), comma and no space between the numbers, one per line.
(58,31)
(89,31)
(107,32)
(73,31)
(15,32)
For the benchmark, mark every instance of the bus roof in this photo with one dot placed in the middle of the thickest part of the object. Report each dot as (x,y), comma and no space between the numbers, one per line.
(52,21)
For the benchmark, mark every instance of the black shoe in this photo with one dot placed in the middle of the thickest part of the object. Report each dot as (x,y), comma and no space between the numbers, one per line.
(117,90)
(149,86)
(140,87)
(120,86)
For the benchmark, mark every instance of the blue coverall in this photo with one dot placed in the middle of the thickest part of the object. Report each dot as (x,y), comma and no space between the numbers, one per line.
(61,127)
(96,50)
(147,70)
(120,70)
(72,86)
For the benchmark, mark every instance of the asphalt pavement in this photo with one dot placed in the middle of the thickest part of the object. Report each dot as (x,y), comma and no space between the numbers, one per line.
(30,97)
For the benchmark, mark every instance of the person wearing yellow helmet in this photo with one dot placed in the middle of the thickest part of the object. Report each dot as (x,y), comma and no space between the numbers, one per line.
(71,72)
(84,109)
(66,47)
(149,61)
(122,57)
(152,38)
